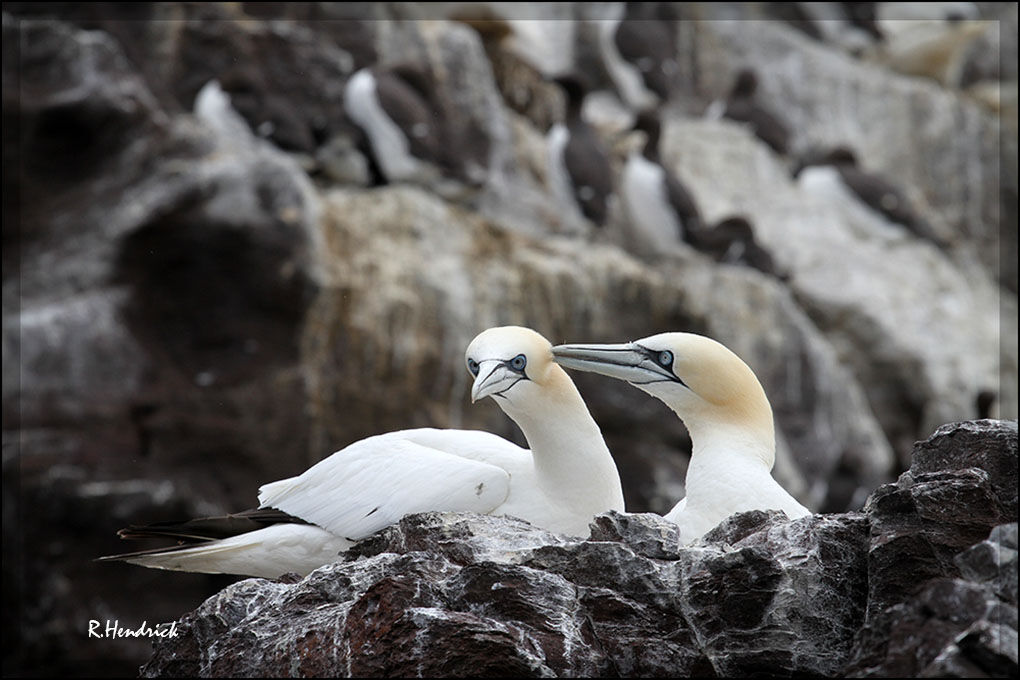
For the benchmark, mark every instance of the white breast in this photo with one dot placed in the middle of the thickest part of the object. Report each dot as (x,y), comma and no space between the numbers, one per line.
(389,144)
(625,76)
(654,224)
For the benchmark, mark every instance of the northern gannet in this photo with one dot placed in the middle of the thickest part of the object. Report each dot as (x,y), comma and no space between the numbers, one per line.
(578,163)
(304,522)
(725,410)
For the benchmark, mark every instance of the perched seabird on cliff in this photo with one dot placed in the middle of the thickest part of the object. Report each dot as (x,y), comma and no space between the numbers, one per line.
(726,413)
(742,106)
(732,241)
(639,53)
(393,111)
(849,25)
(578,163)
(875,191)
(565,479)
(659,209)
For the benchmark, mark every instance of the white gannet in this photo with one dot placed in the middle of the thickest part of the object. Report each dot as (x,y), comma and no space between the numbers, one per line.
(303,522)
(725,410)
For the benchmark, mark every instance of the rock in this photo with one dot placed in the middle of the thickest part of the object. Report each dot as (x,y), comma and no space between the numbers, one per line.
(648,534)
(993,561)
(988,445)
(931,536)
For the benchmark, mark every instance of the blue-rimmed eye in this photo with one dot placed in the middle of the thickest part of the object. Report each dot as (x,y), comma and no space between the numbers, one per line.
(519,362)
(666,359)
(473,367)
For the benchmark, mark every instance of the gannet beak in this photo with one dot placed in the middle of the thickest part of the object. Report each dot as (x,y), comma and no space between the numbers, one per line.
(494,378)
(629,362)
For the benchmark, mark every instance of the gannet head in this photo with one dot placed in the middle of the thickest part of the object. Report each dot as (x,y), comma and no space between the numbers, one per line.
(509,364)
(515,367)
(712,390)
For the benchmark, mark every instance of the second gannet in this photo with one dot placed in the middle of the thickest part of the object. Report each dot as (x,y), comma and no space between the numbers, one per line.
(565,479)
(726,413)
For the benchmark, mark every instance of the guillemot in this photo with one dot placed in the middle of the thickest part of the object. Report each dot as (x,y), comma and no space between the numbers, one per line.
(874,190)
(578,163)
(660,210)
(639,53)
(742,106)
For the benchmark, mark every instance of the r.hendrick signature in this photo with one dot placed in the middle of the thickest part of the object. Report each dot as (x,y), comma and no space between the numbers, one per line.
(113,629)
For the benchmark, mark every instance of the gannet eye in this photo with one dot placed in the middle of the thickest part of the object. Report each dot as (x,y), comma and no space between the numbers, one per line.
(473,367)
(519,362)
(666,359)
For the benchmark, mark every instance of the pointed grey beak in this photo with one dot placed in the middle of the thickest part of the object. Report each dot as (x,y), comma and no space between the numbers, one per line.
(493,379)
(629,362)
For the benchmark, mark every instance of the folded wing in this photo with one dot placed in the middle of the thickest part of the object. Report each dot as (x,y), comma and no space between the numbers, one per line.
(374,482)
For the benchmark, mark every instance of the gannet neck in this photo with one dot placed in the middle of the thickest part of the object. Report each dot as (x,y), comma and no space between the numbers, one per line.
(572,461)
(742,425)
(715,444)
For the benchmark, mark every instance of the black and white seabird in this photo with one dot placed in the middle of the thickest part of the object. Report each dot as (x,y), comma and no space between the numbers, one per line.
(579,164)
(851,25)
(873,190)
(732,241)
(639,53)
(416,134)
(742,106)
(659,209)
(398,122)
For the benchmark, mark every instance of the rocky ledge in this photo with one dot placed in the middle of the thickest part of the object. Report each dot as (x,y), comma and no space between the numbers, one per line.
(923,582)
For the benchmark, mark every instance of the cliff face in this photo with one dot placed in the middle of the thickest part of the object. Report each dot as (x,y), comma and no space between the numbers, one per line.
(204,290)
(921,583)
